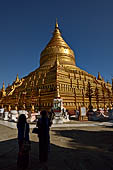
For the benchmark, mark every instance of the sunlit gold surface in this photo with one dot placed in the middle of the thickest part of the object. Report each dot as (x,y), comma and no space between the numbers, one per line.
(57,76)
(57,47)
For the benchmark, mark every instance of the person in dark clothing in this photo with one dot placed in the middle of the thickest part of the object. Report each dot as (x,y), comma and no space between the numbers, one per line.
(43,124)
(51,116)
(23,136)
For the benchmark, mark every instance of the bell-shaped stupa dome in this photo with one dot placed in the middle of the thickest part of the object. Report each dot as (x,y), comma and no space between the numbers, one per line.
(57,48)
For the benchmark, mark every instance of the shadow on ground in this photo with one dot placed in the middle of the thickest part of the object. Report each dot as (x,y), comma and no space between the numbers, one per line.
(86,150)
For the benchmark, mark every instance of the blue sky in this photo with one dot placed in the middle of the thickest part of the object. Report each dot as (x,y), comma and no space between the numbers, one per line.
(26,26)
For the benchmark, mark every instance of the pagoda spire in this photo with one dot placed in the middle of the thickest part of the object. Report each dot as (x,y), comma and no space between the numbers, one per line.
(17,78)
(56,30)
(3,87)
(99,76)
(56,24)
(3,90)
(57,46)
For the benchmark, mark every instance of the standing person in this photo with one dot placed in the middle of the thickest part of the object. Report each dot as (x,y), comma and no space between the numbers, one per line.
(23,136)
(43,124)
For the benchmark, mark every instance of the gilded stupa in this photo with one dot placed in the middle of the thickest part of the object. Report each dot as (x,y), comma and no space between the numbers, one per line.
(57,76)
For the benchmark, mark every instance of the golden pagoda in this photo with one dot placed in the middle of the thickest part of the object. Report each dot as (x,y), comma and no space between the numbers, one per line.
(57,76)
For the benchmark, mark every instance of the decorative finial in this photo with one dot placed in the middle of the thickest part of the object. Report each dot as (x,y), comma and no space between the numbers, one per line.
(99,76)
(56,25)
(3,87)
(17,78)
(3,90)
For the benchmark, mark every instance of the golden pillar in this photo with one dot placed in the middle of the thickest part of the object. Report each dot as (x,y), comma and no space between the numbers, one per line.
(16,108)
(9,108)
(32,108)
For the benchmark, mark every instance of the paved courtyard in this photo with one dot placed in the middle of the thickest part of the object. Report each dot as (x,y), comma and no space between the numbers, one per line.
(87,147)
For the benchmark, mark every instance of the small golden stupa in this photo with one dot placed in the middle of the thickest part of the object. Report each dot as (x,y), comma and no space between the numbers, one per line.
(57,76)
